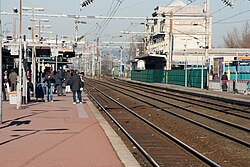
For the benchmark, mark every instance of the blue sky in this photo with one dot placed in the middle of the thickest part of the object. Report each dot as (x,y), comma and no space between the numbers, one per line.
(224,18)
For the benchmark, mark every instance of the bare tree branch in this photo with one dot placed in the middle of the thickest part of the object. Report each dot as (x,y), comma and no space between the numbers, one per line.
(238,39)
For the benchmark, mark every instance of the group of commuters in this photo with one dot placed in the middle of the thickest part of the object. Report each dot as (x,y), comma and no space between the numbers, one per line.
(60,82)
(57,82)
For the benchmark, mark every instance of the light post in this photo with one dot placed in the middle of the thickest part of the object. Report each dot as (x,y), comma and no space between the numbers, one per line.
(19,79)
(1,71)
(76,27)
(186,62)
(33,19)
(33,53)
(100,63)
(121,65)
(15,10)
(202,74)
(33,56)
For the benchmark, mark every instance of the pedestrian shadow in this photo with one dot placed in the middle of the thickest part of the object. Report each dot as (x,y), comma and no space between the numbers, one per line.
(33,131)
(16,123)
(26,116)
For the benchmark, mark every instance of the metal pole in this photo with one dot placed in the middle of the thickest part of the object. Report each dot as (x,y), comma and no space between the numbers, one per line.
(207,22)
(202,73)
(1,70)
(33,58)
(169,65)
(24,98)
(121,72)
(185,66)
(207,37)
(97,58)
(100,63)
(56,62)
(14,25)
(19,90)
(236,77)
(93,62)
(76,29)
(56,51)
(186,73)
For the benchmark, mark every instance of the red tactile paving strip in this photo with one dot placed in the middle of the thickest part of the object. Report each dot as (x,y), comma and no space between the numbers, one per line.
(52,135)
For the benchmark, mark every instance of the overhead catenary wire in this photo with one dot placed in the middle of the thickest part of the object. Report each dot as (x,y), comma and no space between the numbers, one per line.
(136,4)
(111,15)
(105,21)
(240,13)
(221,21)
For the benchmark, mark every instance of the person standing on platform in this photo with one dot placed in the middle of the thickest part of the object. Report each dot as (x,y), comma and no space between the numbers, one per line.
(224,80)
(5,85)
(64,83)
(13,80)
(67,79)
(30,90)
(59,78)
(76,85)
(49,84)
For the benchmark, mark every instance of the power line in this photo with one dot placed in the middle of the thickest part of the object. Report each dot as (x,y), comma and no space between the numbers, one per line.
(103,23)
(109,19)
(136,4)
(236,21)
(232,16)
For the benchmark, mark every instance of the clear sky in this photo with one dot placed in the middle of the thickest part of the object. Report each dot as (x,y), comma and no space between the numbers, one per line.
(224,18)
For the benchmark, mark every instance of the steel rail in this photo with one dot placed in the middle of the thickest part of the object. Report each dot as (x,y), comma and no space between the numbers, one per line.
(167,96)
(191,111)
(189,98)
(169,136)
(192,121)
(125,82)
(148,157)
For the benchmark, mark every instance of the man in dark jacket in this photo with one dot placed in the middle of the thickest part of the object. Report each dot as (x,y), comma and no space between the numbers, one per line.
(58,78)
(13,80)
(76,85)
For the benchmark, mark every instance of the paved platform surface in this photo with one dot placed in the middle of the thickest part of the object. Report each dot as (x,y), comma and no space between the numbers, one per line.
(59,134)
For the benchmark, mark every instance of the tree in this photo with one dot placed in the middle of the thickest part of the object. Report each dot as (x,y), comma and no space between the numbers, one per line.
(238,39)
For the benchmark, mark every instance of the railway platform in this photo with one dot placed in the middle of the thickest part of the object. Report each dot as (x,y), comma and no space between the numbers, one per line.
(60,133)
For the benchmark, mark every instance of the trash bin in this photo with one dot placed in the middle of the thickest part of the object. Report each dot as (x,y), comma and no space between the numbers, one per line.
(13,97)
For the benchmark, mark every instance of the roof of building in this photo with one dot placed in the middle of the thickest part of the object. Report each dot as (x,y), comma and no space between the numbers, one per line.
(178,3)
(151,55)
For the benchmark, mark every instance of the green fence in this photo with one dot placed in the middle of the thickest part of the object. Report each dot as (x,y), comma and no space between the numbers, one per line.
(157,76)
(175,77)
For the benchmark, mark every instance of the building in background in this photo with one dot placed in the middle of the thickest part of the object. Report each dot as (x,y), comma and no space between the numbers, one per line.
(188,31)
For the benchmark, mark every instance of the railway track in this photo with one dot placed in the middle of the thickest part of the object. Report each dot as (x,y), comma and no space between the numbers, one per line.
(215,105)
(157,109)
(159,147)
